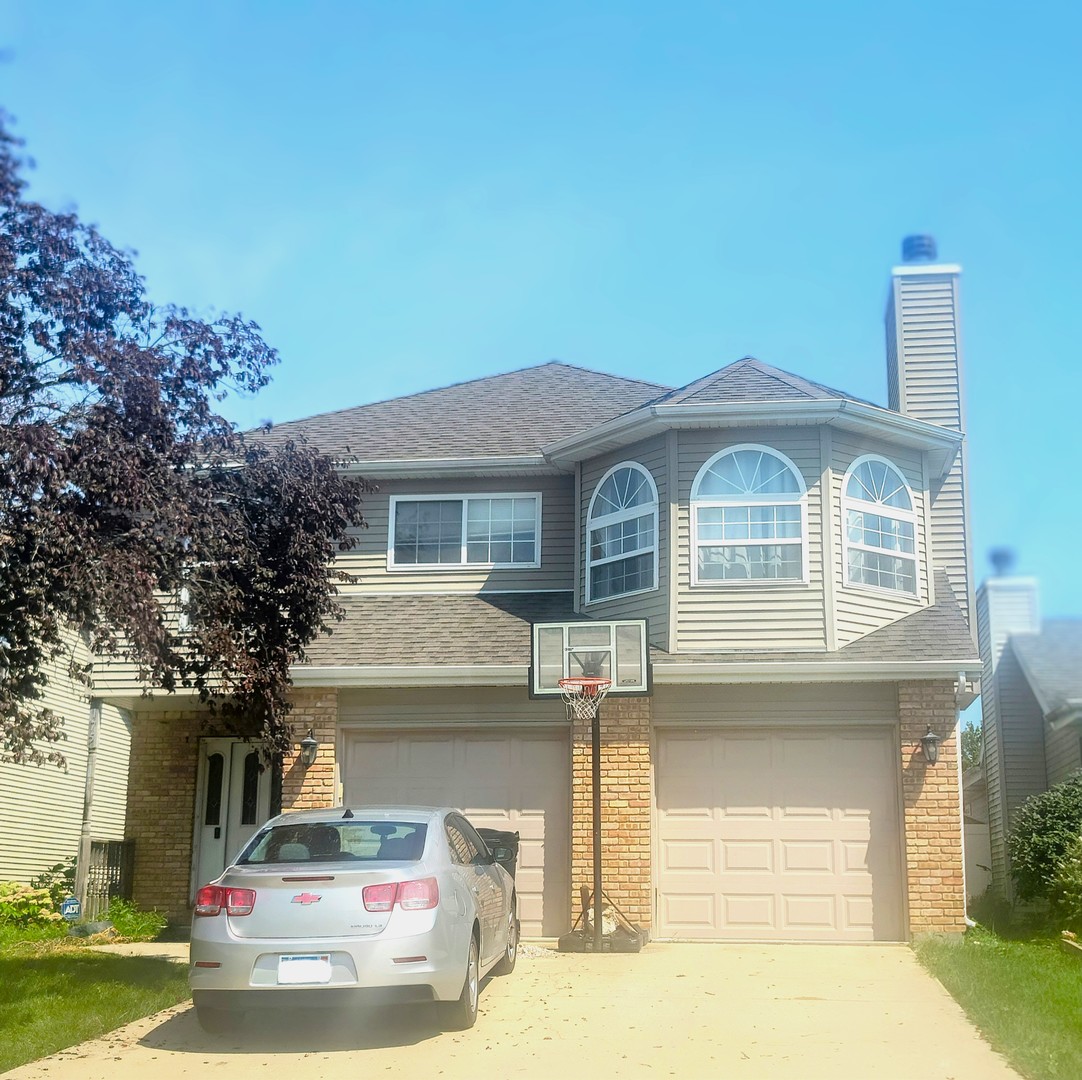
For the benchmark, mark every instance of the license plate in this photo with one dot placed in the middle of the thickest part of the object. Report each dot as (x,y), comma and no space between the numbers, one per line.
(310,969)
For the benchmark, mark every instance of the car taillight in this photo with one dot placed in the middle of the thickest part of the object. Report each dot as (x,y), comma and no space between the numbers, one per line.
(416,895)
(212,898)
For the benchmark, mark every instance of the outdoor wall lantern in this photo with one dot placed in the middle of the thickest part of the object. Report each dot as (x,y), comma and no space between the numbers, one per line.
(929,745)
(309,746)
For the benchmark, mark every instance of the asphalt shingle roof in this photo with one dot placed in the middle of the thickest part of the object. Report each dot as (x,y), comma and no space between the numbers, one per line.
(502,415)
(750,380)
(1053,661)
(495,629)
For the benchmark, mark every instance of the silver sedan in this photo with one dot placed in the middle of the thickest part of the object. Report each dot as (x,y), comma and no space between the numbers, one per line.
(353,905)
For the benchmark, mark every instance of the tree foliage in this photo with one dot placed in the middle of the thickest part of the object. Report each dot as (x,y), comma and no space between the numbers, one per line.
(122,488)
(972,741)
(1042,831)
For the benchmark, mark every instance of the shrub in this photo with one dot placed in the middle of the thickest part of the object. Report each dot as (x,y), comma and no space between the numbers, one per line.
(58,881)
(132,923)
(1066,892)
(23,905)
(1044,827)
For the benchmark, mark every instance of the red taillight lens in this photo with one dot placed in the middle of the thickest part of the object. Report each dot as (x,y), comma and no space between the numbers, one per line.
(212,898)
(416,895)
(379,897)
(208,901)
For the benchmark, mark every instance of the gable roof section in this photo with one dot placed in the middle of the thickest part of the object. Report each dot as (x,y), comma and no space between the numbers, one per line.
(750,380)
(1052,662)
(506,415)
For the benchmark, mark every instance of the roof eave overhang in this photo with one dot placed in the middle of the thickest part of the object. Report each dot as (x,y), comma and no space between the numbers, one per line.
(1070,712)
(423,468)
(940,443)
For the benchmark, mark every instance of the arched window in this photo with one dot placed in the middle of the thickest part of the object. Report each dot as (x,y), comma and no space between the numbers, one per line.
(748,518)
(621,534)
(880,527)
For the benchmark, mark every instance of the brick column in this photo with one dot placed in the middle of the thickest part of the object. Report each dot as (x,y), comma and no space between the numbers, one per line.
(312,787)
(625,807)
(160,806)
(933,820)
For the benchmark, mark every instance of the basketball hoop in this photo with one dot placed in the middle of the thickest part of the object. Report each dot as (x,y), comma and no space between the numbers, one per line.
(583,695)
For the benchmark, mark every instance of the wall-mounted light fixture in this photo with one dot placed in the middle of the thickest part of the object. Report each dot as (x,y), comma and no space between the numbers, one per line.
(309,747)
(929,745)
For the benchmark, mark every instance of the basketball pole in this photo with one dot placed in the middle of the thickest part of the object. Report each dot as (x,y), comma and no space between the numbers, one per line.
(595,734)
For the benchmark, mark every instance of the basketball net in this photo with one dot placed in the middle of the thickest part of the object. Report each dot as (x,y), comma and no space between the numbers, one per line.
(583,695)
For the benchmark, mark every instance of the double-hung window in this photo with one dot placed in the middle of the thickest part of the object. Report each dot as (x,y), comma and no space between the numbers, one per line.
(748,518)
(621,545)
(880,527)
(494,531)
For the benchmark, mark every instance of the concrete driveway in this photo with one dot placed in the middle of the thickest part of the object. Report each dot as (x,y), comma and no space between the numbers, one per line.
(800,1011)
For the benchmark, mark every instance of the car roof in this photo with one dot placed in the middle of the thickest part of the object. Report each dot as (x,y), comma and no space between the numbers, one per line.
(377,812)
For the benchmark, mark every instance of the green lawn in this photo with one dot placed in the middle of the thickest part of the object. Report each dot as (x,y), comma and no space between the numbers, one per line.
(1024,996)
(54,995)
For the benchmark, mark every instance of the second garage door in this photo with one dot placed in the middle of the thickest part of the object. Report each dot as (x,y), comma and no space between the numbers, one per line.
(502,779)
(779,836)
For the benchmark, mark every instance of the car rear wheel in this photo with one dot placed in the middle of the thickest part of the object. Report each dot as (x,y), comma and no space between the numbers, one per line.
(462,1014)
(507,962)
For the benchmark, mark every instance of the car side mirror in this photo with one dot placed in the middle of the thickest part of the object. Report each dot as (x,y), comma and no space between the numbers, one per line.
(502,854)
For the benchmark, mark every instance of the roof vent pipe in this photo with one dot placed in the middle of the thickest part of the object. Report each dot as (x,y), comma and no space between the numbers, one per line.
(919,249)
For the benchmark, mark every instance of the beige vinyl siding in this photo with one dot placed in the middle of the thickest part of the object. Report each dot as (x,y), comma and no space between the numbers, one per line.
(1063,752)
(926,382)
(41,806)
(477,706)
(368,560)
(738,616)
(810,704)
(1020,741)
(860,610)
(652,455)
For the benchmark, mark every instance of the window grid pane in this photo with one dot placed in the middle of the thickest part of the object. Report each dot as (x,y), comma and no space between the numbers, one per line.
(750,562)
(622,576)
(623,538)
(882,571)
(498,531)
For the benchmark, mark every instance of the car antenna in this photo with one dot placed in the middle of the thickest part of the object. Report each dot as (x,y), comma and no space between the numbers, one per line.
(348,813)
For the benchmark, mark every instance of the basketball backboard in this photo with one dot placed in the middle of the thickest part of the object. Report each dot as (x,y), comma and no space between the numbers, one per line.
(616,650)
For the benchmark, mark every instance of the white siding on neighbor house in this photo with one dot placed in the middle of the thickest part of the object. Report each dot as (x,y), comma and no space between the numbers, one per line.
(788,615)
(652,455)
(861,610)
(1063,752)
(41,806)
(368,560)
(924,358)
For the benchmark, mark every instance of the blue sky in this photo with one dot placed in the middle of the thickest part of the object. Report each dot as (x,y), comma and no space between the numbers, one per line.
(405,195)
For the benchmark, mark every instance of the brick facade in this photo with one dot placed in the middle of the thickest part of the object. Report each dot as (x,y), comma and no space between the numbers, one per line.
(933,818)
(317,785)
(161,807)
(625,809)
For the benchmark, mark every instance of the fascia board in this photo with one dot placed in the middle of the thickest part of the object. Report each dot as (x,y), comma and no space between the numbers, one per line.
(843,413)
(469,466)
(813,671)
(412,675)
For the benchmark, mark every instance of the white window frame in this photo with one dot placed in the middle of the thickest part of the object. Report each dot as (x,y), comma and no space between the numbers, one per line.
(616,518)
(463,564)
(711,501)
(881,510)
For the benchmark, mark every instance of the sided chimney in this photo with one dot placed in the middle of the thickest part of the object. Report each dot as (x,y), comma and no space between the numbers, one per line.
(924,380)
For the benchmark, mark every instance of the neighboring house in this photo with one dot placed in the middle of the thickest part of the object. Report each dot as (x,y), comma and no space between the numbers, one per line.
(1031,702)
(42,807)
(800,557)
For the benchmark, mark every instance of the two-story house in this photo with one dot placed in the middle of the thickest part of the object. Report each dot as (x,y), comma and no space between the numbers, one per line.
(799,558)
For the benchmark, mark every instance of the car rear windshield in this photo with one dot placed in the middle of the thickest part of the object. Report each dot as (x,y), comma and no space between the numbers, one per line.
(319,841)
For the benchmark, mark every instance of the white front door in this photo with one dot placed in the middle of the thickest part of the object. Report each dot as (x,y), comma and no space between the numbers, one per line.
(233,801)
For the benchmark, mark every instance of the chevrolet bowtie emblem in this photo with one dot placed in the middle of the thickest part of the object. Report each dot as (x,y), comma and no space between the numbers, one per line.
(306,898)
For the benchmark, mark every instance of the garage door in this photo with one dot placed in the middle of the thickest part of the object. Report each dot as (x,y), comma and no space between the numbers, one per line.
(778,836)
(502,780)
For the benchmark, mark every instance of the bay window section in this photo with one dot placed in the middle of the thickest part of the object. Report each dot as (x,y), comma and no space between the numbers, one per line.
(880,527)
(621,547)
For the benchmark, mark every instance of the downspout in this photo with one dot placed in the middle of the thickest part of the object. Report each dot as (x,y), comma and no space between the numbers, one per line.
(82,864)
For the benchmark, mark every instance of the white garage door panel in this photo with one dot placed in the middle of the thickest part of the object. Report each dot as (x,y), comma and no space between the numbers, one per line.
(502,780)
(778,835)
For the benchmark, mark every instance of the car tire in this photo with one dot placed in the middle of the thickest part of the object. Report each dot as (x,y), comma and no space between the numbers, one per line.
(462,1014)
(218,1021)
(506,962)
